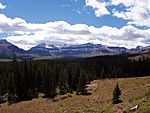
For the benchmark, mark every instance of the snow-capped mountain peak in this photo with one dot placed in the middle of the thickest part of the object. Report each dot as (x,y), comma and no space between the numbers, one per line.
(87,49)
(45,45)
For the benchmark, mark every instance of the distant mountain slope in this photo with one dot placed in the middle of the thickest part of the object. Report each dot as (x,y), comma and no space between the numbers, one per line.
(83,50)
(139,50)
(87,49)
(7,49)
(44,50)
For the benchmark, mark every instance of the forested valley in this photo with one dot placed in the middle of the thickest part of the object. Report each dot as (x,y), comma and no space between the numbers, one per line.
(24,80)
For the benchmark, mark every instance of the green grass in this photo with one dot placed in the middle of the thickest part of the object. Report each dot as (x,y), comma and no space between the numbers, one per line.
(135,97)
(145,108)
(145,94)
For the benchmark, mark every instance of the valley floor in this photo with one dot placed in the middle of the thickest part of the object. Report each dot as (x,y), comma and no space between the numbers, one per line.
(135,91)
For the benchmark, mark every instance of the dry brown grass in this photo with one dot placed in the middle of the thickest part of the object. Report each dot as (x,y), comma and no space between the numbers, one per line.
(98,102)
(137,57)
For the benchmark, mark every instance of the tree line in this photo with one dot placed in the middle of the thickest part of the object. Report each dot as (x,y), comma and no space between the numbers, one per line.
(24,80)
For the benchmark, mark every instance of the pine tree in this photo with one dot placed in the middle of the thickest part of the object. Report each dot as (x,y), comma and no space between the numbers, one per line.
(49,84)
(63,81)
(17,79)
(82,82)
(52,83)
(1,95)
(75,75)
(70,83)
(14,58)
(46,83)
(116,95)
(25,82)
(11,89)
(38,81)
(32,91)
(18,82)
(102,73)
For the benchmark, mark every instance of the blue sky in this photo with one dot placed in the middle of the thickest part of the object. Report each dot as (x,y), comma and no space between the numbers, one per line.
(71,11)
(110,22)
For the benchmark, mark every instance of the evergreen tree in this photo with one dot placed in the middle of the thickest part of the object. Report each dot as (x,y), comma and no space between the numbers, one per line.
(11,89)
(75,74)
(52,81)
(32,89)
(63,81)
(0,95)
(25,81)
(102,73)
(82,82)
(38,81)
(17,79)
(116,95)
(49,85)
(70,83)
(14,58)
(46,83)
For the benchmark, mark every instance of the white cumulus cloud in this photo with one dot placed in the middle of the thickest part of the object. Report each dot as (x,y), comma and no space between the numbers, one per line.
(137,12)
(26,35)
(99,7)
(2,6)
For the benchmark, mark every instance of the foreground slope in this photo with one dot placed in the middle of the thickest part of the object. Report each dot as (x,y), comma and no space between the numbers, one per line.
(135,91)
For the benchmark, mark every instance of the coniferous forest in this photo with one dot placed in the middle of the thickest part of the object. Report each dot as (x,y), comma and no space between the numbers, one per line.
(24,80)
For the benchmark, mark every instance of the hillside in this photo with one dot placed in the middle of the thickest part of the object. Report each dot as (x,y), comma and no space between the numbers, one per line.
(141,56)
(135,91)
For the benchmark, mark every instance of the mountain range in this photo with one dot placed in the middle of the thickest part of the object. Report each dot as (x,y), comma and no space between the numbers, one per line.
(84,50)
